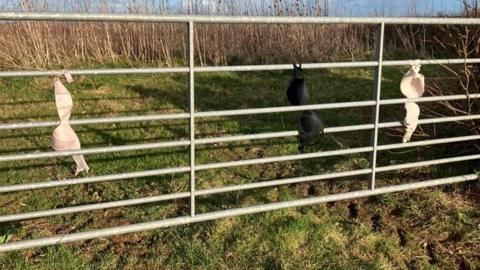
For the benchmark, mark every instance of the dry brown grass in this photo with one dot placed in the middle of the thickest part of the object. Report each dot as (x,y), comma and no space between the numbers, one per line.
(32,45)
(52,44)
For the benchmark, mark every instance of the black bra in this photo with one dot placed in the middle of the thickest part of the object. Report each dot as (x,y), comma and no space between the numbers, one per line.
(297,91)
(310,122)
(310,125)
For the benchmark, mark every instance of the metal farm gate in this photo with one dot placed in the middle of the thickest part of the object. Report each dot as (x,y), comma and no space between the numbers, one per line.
(373,148)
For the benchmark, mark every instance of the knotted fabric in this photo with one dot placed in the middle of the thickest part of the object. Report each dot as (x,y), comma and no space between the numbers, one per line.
(412,86)
(413,83)
(297,92)
(64,137)
(411,120)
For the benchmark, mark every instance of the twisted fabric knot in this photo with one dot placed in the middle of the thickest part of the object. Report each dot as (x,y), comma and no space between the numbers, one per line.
(64,137)
(412,86)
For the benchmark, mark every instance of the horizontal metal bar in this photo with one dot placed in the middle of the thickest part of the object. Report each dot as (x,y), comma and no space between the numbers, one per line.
(432,62)
(201,167)
(279,182)
(91,180)
(123,119)
(275,134)
(174,196)
(340,105)
(329,65)
(132,228)
(282,134)
(99,150)
(330,130)
(130,202)
(50,16)
(259,136)
(59,183)
(273,67)
(132,71)
(286,66)
(92,207)
(108,120)
(110,71)
(427,163)
(106,178)
(327,130)
(428,99)
(152,199)
(433,120)
(223,139)
(123,176)
(428,142)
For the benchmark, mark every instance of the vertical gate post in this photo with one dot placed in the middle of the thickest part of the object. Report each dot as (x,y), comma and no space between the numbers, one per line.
(376,96)
(191,87)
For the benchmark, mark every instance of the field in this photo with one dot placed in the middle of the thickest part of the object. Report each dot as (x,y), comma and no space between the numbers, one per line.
(436,228)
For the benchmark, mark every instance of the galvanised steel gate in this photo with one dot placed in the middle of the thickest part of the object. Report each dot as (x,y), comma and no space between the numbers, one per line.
(190,21)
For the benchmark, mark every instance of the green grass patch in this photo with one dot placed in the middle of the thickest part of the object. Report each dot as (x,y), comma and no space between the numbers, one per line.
(317,237)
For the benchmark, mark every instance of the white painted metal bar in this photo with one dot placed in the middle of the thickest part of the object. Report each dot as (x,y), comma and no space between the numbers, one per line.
(434,120)
(280,182)
(92,207)
(428,142)
(52,16)
(427,163)
(246,162)
(433,62)
(245,68)
(91,180)
(429,99)
(339,105)
(281,67)
(123,119)
(93,72)
(376,96)
(191,87)
(98,150)
(107,120)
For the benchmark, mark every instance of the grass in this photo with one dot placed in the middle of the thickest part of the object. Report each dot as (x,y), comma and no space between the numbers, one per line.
(440,226)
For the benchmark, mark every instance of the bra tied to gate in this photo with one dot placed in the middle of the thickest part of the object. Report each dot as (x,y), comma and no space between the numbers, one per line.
(413,83)
(297,92)
(64,137)
(412,86)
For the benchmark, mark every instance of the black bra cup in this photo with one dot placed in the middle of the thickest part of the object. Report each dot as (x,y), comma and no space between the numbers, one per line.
(297,91)
(311,124)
